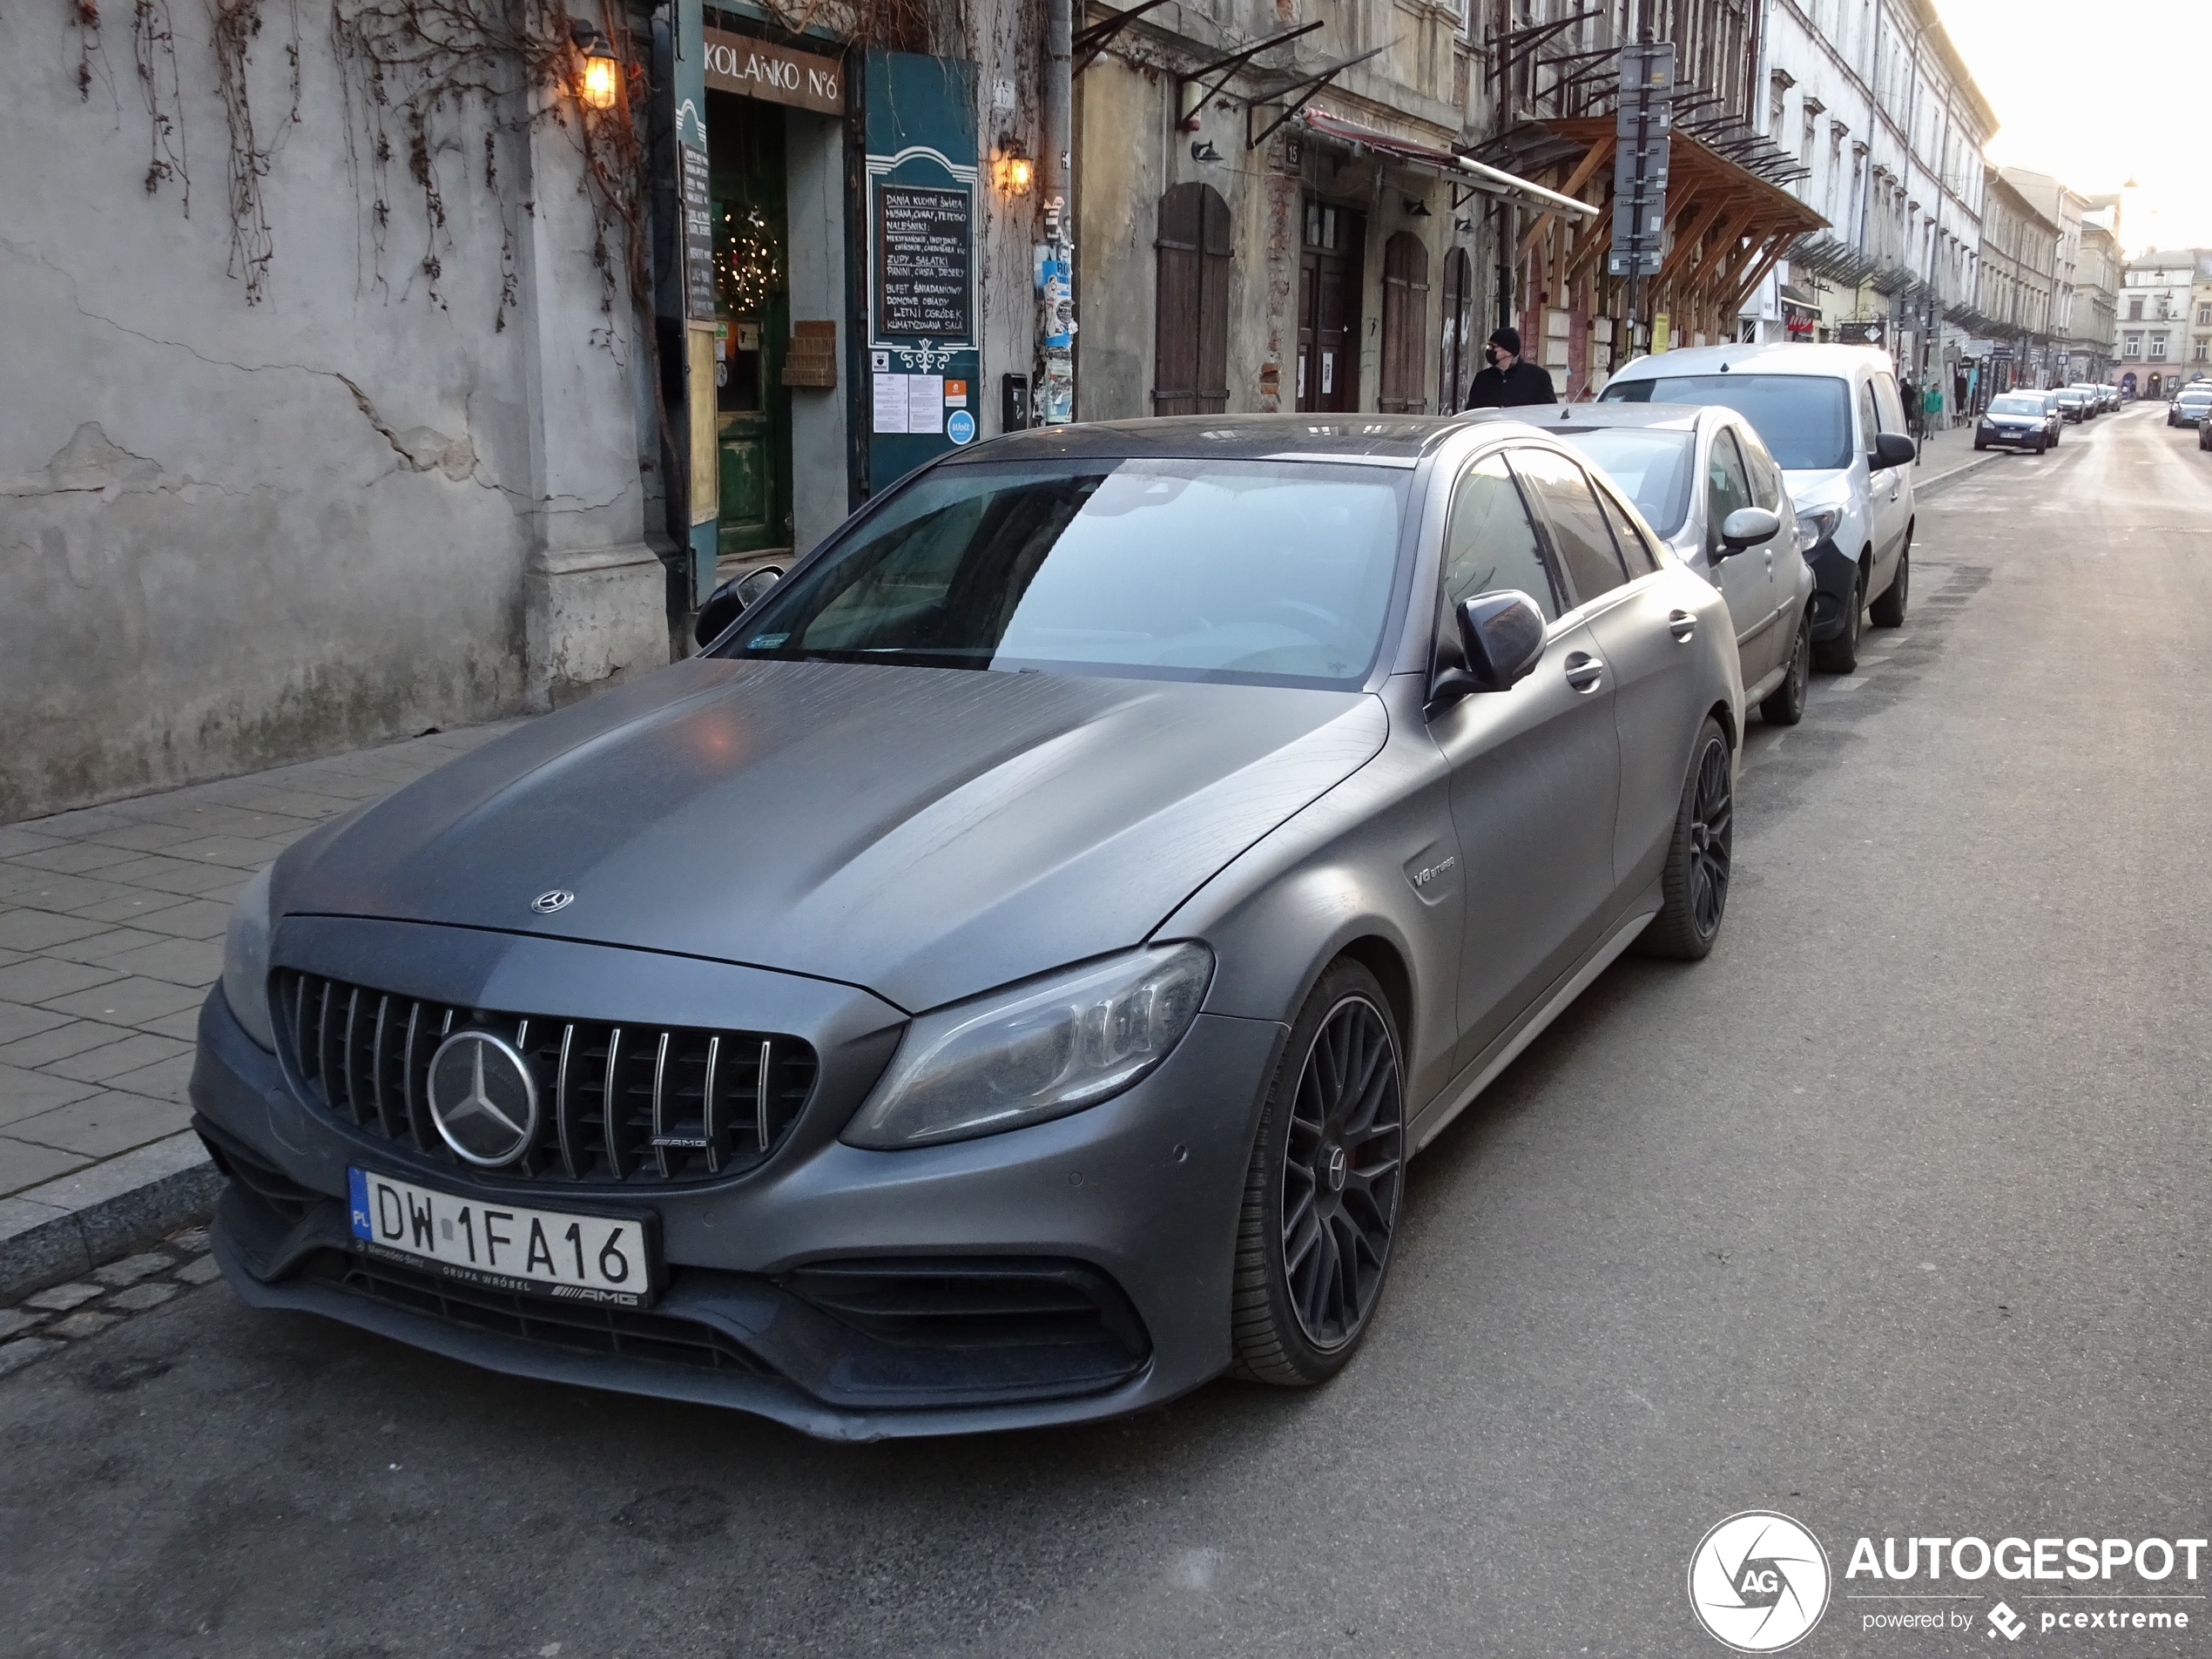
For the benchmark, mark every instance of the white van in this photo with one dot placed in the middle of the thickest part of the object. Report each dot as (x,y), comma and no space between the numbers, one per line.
(1832,417)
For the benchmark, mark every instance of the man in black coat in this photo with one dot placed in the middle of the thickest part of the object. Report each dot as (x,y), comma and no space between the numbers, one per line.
(1509,382)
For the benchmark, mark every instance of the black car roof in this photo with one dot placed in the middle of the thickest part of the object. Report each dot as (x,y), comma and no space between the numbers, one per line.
(1390,440)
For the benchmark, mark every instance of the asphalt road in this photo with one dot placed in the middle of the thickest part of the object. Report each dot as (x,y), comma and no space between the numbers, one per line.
(1890,1216)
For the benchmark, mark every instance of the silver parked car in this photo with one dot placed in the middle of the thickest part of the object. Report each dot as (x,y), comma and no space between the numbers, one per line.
(1704,480)
(1001,979)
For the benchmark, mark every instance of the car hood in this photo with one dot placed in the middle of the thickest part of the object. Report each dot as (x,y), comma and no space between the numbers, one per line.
(927,834)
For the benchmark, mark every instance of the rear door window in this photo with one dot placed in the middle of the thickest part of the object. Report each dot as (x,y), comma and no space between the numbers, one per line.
(1869,421)
(1489,543)
(1563,497)
(1766,476)
(1635,552)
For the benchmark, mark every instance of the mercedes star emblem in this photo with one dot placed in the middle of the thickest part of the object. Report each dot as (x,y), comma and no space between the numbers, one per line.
(546,903)
(483,1098)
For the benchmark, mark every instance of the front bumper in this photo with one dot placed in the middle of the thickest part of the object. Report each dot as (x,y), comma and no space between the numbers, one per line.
(1835,577)
(2010,437)
(1071,1271)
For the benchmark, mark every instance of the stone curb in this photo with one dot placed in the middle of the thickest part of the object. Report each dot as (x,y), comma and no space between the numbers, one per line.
(63,1228)
(1949,473)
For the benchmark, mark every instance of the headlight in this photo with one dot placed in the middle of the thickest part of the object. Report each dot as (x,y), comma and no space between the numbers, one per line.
(245,960)
(1035,1052)
(1816,526)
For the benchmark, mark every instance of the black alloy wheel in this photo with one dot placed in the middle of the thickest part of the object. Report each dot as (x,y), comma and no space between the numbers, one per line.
(1700,857)
(1785,704)
(1322,1195)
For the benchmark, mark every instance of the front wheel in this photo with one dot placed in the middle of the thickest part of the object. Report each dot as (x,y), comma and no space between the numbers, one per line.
(1785,704)
(1700,855)
(1888,611)
(1322,1194)
(1840,655)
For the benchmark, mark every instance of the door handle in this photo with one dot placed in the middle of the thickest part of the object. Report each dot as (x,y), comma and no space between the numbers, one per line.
(1682,626)
(1584,671)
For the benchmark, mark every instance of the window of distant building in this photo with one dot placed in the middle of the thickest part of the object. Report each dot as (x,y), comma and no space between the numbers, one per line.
(2204,316)
(2132,346)
(2197,355)
(2158,348)
(2135,308)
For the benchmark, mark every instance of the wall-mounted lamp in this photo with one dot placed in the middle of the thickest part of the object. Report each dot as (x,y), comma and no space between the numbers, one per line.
(1464,226)
(1416,208)
(1202,149)
(601,77)
(1011,171)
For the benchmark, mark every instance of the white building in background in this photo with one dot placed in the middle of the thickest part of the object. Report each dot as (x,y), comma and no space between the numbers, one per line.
(2156,321)
(1888,126)
(2070,350)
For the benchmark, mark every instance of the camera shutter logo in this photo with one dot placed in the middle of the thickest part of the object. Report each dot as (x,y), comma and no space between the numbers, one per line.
(1758,1581)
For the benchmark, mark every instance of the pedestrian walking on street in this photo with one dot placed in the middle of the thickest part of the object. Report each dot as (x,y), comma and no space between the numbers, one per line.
(1509,382)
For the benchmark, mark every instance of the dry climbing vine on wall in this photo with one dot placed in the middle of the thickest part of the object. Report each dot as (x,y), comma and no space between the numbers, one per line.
(237,26)
(154,43)
(420,74)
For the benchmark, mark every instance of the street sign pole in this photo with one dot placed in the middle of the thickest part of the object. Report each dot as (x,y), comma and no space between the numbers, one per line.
(1642,130)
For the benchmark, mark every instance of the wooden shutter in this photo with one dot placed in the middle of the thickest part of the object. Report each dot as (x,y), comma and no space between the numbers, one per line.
(1404,321)
(1191,330)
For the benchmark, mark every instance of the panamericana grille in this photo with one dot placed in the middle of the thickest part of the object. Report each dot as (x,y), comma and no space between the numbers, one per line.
(616,1103)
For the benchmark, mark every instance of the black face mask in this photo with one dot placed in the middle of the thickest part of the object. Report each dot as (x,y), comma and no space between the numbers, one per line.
(1490,355)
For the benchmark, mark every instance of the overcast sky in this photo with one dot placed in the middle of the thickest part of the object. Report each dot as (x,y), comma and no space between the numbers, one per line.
(2099,93)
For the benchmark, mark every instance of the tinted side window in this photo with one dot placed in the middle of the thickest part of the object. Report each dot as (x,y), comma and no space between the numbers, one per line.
(1727,485)
(1488,542)
(1766,476)
(1635,552)
(1584,544)
(1889,403)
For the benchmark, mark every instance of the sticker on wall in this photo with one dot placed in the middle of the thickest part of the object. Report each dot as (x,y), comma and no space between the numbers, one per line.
(959,427)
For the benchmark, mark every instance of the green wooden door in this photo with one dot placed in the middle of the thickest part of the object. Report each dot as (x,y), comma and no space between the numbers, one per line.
(752,409)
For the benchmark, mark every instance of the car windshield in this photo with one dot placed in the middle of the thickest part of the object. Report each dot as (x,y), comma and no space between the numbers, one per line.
(1652,467)
(2197,394)
(1259,572)
(2016,405)
(1806,419)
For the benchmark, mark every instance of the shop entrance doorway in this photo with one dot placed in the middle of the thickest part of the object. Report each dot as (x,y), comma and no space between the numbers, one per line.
(751,325)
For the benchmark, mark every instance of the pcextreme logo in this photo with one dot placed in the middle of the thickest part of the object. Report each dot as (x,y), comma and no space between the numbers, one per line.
(1758,1581)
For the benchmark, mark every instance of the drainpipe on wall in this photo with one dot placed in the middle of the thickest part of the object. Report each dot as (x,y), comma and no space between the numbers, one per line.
(1055,256)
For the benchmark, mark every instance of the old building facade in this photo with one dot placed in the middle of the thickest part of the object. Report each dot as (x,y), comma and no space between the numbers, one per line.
(2155,323)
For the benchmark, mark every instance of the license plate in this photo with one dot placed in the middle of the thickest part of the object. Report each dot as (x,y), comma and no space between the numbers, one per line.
(608,1260)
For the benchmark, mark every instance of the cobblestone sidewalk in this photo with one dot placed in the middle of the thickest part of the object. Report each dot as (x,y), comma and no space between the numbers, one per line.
(112,930)
(49,1320)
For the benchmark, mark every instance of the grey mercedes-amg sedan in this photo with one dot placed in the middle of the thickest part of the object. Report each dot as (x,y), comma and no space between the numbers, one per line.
(1003,978)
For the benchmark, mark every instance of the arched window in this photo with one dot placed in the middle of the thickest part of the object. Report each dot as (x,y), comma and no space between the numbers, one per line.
(1190,335)
(1405,325)
(1455,363)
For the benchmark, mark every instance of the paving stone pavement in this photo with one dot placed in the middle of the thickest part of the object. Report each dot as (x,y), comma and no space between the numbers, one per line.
(112,930)
(49,1320)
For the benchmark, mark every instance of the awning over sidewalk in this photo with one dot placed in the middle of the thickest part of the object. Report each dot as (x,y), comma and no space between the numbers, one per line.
(1444,164)
(1726,226)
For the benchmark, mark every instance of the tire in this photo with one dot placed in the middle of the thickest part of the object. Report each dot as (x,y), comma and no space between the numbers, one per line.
(1785,704)
(1332,1158)
(1888,611)
(1700,854)
(1840,655)
(1979,446)
(2042,444)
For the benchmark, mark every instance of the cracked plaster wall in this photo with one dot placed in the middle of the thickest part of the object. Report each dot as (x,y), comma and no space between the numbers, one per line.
(232,536)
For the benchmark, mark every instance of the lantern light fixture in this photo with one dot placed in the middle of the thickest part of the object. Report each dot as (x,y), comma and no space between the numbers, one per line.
(1011,171)
(601,80)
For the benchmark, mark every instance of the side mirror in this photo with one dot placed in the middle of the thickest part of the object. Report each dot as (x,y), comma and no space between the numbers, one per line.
(1747,527)
(1502,634)
(1894,449)
(731,600)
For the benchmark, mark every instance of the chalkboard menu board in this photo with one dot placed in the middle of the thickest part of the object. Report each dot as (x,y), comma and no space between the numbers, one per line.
(924,263)
(699,236)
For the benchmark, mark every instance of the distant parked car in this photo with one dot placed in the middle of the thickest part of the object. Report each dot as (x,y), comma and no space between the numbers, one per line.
(2111,396)
(1831,415)
(1692,472)
(2190,405)
(2014,421)
(2074,404)
(2204,434)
